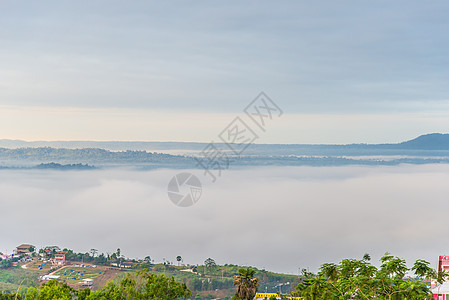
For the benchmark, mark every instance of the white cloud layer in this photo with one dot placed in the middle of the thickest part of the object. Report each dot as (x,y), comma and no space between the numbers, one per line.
(274,218)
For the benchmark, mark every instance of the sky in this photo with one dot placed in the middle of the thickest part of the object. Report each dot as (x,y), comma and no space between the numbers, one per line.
(277,218)
(342,72)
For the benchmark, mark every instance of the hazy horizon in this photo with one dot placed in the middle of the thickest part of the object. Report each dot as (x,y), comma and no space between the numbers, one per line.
(202,142)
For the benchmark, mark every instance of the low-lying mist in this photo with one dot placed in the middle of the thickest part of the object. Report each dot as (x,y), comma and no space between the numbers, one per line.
(280,218)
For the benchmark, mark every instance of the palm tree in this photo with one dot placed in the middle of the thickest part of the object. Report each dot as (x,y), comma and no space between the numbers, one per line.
(93,252)
(246,284)
(178,258)
(366,257)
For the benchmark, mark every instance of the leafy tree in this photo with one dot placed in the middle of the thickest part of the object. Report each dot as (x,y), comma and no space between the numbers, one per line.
(209,262)
(143,285)
(10,296)
(246,284)
(358,279)
(101,259)
(197,284)
(147,259)
(83,294)
(51,290)
(178,259)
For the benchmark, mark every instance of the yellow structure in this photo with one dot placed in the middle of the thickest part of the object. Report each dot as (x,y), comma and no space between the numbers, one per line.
(264,296)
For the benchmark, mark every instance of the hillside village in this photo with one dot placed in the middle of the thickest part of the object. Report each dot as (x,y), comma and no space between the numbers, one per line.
(85,276)
(92,270)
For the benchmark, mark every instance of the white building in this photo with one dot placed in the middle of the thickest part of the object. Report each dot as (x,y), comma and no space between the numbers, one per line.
(88,282)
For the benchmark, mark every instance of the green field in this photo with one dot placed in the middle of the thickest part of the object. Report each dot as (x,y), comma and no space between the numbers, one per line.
(36,264)
(77,274)
(11,279)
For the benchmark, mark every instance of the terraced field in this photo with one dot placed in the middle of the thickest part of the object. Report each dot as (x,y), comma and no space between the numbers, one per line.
(73,275)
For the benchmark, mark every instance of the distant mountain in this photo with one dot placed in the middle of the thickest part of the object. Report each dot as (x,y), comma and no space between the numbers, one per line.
(89,151)
(426,149)
(432,141)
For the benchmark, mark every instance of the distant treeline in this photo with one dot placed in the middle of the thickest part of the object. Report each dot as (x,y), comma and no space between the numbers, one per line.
(64,167)
(48,155)
(84,159)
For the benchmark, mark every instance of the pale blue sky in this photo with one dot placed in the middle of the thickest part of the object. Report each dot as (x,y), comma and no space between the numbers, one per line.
(210,58)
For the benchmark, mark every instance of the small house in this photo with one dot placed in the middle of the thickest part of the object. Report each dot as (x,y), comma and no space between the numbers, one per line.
(88,282)
(60,258)
(24,249)
(5,257)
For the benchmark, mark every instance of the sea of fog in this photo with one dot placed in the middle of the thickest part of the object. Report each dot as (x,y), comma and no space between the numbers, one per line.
(277,218)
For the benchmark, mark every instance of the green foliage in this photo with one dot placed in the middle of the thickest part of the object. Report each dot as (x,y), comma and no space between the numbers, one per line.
(51,290)
(349,279)
(87,257)
(143,285)
(246,284)
(7,263)
(52,157)
(83,294)
(210,263)
(358,279)
(10,296)
(208,284)
(17,275)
